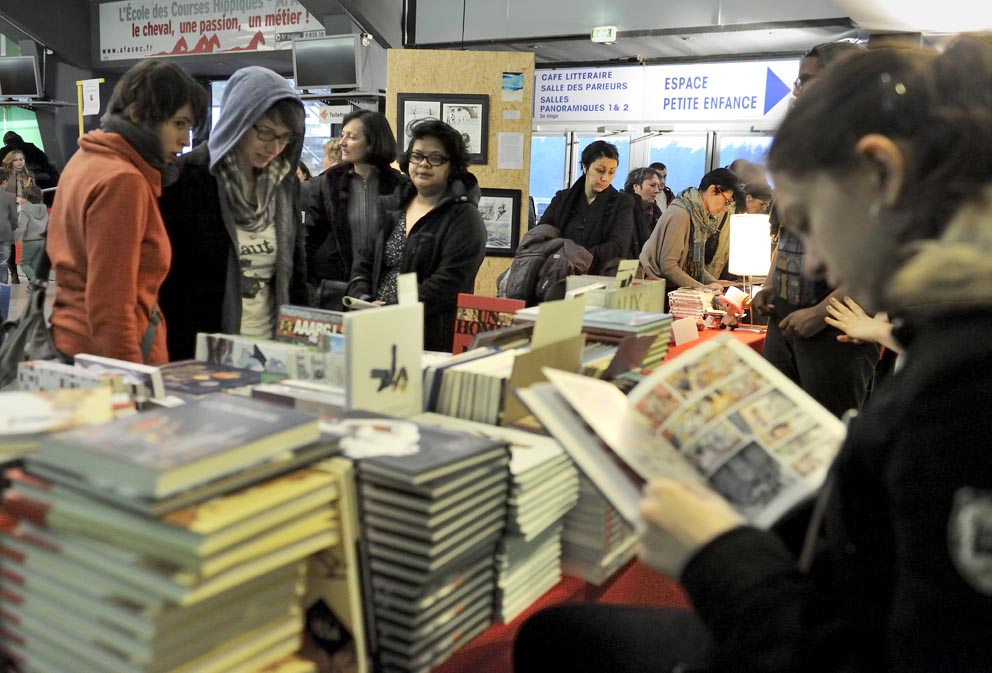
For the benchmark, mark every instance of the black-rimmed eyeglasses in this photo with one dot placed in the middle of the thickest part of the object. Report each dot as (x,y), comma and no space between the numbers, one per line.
(267,136)
(434,159)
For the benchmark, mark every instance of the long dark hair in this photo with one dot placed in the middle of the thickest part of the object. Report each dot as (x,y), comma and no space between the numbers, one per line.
(378,135)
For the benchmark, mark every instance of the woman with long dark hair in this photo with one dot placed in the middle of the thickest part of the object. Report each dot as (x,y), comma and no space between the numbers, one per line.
(884,168)
(346,206)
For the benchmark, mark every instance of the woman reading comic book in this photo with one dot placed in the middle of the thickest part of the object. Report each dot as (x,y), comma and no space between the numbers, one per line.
(885,169)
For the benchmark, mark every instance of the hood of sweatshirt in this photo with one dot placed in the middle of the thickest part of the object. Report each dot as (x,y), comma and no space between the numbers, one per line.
(249,94)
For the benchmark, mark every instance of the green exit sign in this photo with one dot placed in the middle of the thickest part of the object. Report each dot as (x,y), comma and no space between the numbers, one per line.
(604,34)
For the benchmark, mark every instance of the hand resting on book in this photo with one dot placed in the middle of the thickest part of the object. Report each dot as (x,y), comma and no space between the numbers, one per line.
(679,518)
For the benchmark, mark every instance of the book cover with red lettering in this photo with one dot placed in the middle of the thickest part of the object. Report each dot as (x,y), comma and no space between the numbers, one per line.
(475,314)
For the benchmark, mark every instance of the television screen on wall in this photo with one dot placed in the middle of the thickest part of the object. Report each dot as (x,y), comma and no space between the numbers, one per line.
(19,77)
(327,62)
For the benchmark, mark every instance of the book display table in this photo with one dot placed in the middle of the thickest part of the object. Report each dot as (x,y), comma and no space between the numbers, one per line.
(635,584)
(745,334)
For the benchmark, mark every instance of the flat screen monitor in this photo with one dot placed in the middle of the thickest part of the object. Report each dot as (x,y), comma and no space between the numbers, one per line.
(327,62)
(19,77)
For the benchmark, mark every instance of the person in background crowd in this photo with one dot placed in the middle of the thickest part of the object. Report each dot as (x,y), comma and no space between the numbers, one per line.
(644,185)
(592,213)
(32,223)
(799,342)
(107,243)
(754,198)
(303,171)
(666,195)
(38,163)
(757,197)
(676,248)
(346,209)
(8,223)
(435,231)
(332,154)
(888,166)
(234,217)
(20,176)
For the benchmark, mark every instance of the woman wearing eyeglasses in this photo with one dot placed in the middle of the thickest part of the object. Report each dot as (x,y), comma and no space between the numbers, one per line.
(346,206)
(436,232)
(676,248)
(234,217)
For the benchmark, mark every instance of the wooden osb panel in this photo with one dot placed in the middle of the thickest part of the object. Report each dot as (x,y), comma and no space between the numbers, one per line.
(473,72)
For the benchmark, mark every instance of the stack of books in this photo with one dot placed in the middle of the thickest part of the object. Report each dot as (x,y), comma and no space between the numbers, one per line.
(138,548)
(597,542)
(611,325)
(433,507)
(688,302)
(545,486)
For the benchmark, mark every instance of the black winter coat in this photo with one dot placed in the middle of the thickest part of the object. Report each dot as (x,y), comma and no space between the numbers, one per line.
(329,240)
(202,292)
(607,238)
(445,249)
(643,226)
(903,578)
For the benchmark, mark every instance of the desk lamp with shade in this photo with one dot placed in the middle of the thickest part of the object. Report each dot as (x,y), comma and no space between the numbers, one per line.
(750,251)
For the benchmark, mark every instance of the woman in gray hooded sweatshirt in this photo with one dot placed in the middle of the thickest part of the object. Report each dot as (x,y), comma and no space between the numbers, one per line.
(234,217)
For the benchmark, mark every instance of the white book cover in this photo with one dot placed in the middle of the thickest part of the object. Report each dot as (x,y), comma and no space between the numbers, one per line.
(383,354)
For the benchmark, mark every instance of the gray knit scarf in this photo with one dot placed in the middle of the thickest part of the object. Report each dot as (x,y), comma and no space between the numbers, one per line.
(249,215)
(144,141)
(703,226)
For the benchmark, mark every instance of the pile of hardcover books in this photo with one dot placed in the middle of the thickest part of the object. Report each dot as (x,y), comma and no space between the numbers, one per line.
(611,325)
(545,486)
(172,540)
(597,542)
(688,302)
(433,509)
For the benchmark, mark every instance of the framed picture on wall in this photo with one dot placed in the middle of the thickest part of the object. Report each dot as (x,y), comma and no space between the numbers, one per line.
(468,113)
(500,209)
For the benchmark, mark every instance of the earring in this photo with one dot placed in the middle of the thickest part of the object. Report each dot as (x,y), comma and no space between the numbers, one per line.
(875,209)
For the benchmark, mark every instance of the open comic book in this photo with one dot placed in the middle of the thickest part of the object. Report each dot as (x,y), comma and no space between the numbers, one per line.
(719,414)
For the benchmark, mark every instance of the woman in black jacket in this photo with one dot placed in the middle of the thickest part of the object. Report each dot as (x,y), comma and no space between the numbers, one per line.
(885,168)
(435,231)
(345,206)
(593,213)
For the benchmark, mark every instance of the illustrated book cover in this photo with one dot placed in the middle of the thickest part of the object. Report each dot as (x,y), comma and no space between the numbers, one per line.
(475,314)
(383,353)
(311,327)
(199,378)
(719,414)
(161,452)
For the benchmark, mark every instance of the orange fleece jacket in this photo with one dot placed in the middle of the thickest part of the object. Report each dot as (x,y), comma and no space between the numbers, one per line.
(109,251)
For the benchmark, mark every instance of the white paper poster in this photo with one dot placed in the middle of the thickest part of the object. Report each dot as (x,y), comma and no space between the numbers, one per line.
(510,151)
(91,96)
